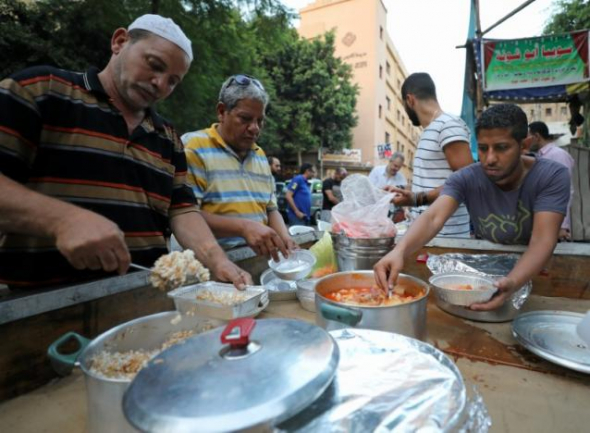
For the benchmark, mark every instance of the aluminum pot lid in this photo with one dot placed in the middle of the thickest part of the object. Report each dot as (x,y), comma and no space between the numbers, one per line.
(552,336)
(204,385)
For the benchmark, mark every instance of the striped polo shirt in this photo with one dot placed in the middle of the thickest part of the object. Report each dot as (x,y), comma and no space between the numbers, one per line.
(224,184)
(431,168)
(61,136)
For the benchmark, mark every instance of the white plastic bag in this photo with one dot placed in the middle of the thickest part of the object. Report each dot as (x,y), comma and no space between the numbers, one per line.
(363,210)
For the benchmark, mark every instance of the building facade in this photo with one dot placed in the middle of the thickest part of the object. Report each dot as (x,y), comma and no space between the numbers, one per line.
(383,125)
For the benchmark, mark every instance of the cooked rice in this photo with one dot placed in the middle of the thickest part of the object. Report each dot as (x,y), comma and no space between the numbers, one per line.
(125,365)
(172,270)
(120,365)
(223,298)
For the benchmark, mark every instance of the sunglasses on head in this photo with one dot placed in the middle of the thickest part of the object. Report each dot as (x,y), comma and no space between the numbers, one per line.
(245,80)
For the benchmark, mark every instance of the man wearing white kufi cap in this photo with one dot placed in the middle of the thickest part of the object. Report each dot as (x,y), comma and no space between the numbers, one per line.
(92,178)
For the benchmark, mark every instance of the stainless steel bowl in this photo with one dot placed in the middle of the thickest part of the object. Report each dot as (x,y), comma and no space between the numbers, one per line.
(278,289)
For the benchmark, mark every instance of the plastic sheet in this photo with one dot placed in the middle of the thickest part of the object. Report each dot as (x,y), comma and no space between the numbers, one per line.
(363,210)
(388,382)
(495,266)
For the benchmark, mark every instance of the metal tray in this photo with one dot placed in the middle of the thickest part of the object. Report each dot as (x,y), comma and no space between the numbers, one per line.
(278,289)
(185,300)
(552,336)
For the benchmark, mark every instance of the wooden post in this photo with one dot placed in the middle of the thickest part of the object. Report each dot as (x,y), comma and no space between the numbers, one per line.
(479,102)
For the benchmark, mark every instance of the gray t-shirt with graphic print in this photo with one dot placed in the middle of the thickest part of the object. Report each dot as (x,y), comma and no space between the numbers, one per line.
(506,217)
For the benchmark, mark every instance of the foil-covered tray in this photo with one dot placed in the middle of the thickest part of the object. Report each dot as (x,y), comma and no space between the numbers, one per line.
(186,302)
(552,336)
(389,382)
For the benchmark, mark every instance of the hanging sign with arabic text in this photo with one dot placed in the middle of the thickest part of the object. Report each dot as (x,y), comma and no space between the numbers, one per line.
(535,62)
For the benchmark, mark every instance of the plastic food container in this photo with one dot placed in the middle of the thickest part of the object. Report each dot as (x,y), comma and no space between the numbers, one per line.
(185,299)
(306,293)
(296,267)
(447,287)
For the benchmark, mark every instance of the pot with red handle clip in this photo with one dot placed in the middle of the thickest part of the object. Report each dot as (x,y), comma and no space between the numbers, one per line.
(250,374)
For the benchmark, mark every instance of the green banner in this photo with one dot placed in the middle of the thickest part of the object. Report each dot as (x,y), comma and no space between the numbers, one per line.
(535,62)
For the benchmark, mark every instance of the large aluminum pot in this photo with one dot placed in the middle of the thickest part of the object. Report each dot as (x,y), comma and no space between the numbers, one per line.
(104,395)
(358,253)
(407,319)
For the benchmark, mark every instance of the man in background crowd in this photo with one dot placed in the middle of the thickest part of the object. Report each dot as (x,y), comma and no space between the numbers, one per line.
(390,175)
(275,167)
(230,174)
(331,192)
(544,145)
(299,196)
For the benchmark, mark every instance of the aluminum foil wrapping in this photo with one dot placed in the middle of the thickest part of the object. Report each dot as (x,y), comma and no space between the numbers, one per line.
(387,382)
(495,266)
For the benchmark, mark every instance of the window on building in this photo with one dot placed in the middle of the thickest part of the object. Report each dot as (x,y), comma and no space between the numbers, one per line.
(403,148)
(564,111)
(388,102)
(548,112)
(399,84)
(380,71)
(398,147)
(379,111)
(387,137)
(532,114)
(403,120)
(387,68)
(380,32)
(399,115)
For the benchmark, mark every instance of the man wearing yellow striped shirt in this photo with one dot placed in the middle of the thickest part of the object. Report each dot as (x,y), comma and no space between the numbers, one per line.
(230,175)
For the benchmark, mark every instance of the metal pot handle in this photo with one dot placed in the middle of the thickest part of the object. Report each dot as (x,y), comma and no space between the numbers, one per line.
(64,363)
(340,314)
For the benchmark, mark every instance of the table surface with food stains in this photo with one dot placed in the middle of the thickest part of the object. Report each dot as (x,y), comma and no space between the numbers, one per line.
(521,391)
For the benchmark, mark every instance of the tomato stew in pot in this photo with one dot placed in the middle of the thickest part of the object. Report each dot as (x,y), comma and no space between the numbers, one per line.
(372,296)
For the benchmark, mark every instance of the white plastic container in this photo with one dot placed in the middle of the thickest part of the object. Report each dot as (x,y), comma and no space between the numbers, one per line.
(185,299)
(444,288)
(306,293)
(295,267)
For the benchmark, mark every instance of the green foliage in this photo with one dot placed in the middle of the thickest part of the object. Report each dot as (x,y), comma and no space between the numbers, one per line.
(570,15)
(312,99)
(315,99)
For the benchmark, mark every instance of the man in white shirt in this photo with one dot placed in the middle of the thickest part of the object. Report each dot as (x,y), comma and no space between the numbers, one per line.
(443,148)
(389,174)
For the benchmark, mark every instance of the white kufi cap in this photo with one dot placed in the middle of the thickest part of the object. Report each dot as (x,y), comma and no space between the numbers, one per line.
(165,28)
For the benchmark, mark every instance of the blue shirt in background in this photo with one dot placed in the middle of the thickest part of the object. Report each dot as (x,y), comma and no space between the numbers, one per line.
(301,195)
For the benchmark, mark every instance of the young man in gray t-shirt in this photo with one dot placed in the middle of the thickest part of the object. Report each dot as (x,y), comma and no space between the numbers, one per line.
(510,198)
(506,217)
